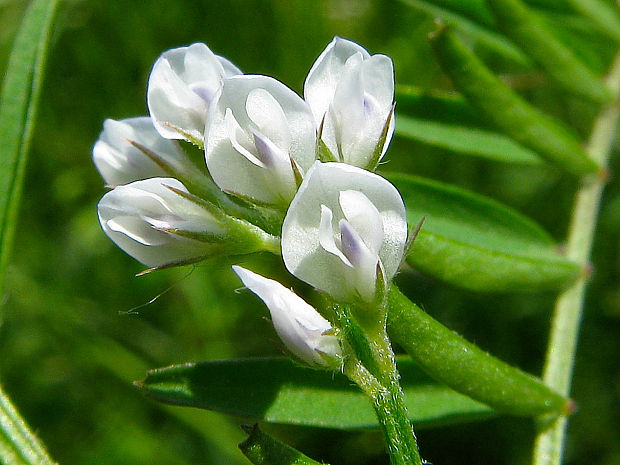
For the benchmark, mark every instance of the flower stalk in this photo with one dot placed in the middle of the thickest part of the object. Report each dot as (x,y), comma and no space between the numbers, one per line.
(372,366)
(559,364)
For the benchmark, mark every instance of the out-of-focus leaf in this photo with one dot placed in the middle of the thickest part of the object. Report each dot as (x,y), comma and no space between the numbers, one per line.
(18,446)
(583,37)
(605,17)
(279,391)
(18,104)
(18,107)
(477,243)
(465,367)
(465,140)
(532,34)
(481,35)
(436,105)
(262,449)
(506,110)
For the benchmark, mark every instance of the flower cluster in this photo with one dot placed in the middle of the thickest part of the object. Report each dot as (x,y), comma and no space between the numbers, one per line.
(268,153)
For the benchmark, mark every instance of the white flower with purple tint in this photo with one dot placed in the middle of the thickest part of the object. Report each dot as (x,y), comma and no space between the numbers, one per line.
(119,159)
(303,330)
(345,229)
(156,225)
(351,94)
(260,139)
(181,86)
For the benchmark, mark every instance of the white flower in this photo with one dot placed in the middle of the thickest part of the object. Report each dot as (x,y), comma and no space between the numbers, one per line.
(259,138)
(343,225)
(303,330)
(182,84)
(120,162)
(156,225)
(351,94)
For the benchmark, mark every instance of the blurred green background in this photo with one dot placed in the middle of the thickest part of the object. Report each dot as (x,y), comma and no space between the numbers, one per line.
(69,346)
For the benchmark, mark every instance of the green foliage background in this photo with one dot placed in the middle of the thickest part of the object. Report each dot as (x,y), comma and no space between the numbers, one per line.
(70,346)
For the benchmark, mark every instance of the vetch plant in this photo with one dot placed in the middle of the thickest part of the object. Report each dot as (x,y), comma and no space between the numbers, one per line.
(294,177)
(233,165)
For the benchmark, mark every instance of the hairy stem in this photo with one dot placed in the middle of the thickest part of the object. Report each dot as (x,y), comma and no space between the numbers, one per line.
(558,369)
(372,366)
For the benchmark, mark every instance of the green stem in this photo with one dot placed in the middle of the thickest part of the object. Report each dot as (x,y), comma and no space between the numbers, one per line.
(372,366)
(567,315)
(18,445)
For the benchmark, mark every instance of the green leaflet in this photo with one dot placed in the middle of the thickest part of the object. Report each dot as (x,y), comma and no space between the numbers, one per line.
(278,391)
(482,36)
(605,17)
(20,92)
(506,110)
(436,105)
(477,243)
(465,140)
(534,37)
(262,449)
(446,120)
(449,358)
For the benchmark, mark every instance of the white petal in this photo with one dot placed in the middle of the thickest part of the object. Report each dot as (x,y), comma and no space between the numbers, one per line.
(364,262)
(353,93)
(327,238)
(239,139)
(131,215)
(298,324)
(268,117)
(378,79)
(268,110)
(181,84)
(363,216)
(119,162)
(325,74)
(302,250)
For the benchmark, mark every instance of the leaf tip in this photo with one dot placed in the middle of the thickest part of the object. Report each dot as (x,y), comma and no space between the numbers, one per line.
(441,28)
(571,407)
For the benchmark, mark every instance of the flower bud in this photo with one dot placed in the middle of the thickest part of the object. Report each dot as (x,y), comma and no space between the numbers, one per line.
(351,94)
(303,330)
(120,160)
(157,222)
(182,84)
(345,231)
(260,138)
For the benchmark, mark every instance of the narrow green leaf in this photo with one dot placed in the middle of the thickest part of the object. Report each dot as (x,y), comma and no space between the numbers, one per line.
(465,140)
(279,391)
(528,30)
(601,14)
(18,99)
(18,105)
(466,368)
(18,446)
(262,449)
(506,110)
(481,35)
(476,10)
(477,243)
(436,105)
